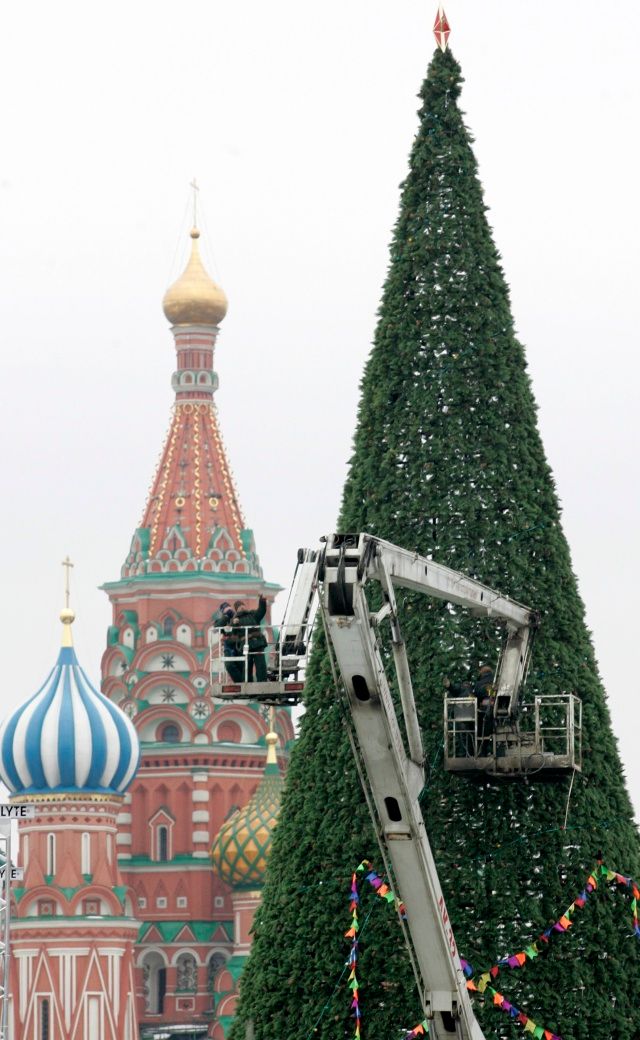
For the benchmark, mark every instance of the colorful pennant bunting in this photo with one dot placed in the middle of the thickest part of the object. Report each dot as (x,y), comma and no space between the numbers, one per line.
(563,924)
(481,982)
(352,963)
(381,887)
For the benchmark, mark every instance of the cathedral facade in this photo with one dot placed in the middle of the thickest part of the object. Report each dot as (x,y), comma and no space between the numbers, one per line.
(143,868)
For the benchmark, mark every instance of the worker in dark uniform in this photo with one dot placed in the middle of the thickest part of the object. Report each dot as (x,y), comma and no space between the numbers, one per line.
(460,689)
(249,620)
(482,689)
(484,692)
(231,641)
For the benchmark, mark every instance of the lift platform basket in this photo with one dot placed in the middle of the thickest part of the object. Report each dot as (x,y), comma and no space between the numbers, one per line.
(545,740)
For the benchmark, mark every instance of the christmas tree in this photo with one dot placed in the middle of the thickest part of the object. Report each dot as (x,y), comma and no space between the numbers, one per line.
(448,460)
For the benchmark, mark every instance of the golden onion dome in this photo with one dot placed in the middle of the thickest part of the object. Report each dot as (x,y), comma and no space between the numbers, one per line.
(194,299)
(242,845)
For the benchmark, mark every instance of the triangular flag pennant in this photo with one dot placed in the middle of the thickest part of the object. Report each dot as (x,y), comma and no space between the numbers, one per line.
(484,980)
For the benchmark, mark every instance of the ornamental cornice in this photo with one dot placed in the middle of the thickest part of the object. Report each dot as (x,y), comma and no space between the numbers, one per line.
(77,798)
(32,928)
(205,581)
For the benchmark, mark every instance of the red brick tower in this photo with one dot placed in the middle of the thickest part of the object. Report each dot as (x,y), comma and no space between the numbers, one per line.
(200,761)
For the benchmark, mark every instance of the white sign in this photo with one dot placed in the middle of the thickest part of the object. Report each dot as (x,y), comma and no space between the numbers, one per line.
(24,811)
(17,873)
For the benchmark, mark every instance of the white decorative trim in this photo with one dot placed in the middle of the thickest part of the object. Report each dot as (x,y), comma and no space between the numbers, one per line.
(200,816)
(200,836)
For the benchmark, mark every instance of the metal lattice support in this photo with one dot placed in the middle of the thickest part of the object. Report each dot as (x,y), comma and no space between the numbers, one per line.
(5,924)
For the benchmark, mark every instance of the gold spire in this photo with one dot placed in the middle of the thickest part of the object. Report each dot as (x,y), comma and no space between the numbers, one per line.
(67,615)
(194,299)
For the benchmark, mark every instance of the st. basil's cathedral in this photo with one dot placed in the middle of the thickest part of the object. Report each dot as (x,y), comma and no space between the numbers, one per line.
(154,805)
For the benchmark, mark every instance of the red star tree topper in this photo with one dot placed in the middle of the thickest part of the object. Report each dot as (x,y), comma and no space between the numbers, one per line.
(441,29)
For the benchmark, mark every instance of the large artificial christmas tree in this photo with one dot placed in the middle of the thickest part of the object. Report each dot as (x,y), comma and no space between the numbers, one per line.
(448,460)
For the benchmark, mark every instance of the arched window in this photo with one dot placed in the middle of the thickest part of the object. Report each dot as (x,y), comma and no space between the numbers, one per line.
(85,854)
(51,853)
(216,961)
(162,838)
(170,733)
(187,973)
(154,976)
(167,625)
(44,1020)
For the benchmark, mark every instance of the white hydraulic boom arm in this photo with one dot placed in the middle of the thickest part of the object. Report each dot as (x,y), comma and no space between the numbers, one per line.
(393,780)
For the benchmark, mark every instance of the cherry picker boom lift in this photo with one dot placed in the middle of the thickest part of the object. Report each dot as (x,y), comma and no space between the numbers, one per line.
(392,776)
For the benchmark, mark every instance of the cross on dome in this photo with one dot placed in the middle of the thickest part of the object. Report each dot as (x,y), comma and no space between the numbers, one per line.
(194,298)
(67,615)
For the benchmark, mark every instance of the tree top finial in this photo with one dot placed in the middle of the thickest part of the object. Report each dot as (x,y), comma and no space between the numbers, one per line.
(441,29)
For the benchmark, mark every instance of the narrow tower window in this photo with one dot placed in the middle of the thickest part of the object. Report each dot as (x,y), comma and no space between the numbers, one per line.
(85,866)
(51,853)
(167,625)
(163,844)
(25,851)
(44,1020)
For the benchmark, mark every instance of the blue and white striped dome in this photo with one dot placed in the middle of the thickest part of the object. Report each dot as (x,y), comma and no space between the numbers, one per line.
(68,738)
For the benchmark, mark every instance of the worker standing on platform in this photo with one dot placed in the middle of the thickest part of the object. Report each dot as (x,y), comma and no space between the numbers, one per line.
(482,689)
(249,623)
(231,641)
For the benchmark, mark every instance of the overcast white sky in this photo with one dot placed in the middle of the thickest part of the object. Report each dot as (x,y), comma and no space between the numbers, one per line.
(297,119)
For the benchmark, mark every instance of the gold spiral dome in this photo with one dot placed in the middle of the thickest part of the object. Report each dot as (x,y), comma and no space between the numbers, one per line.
(194,299)
(242,845)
